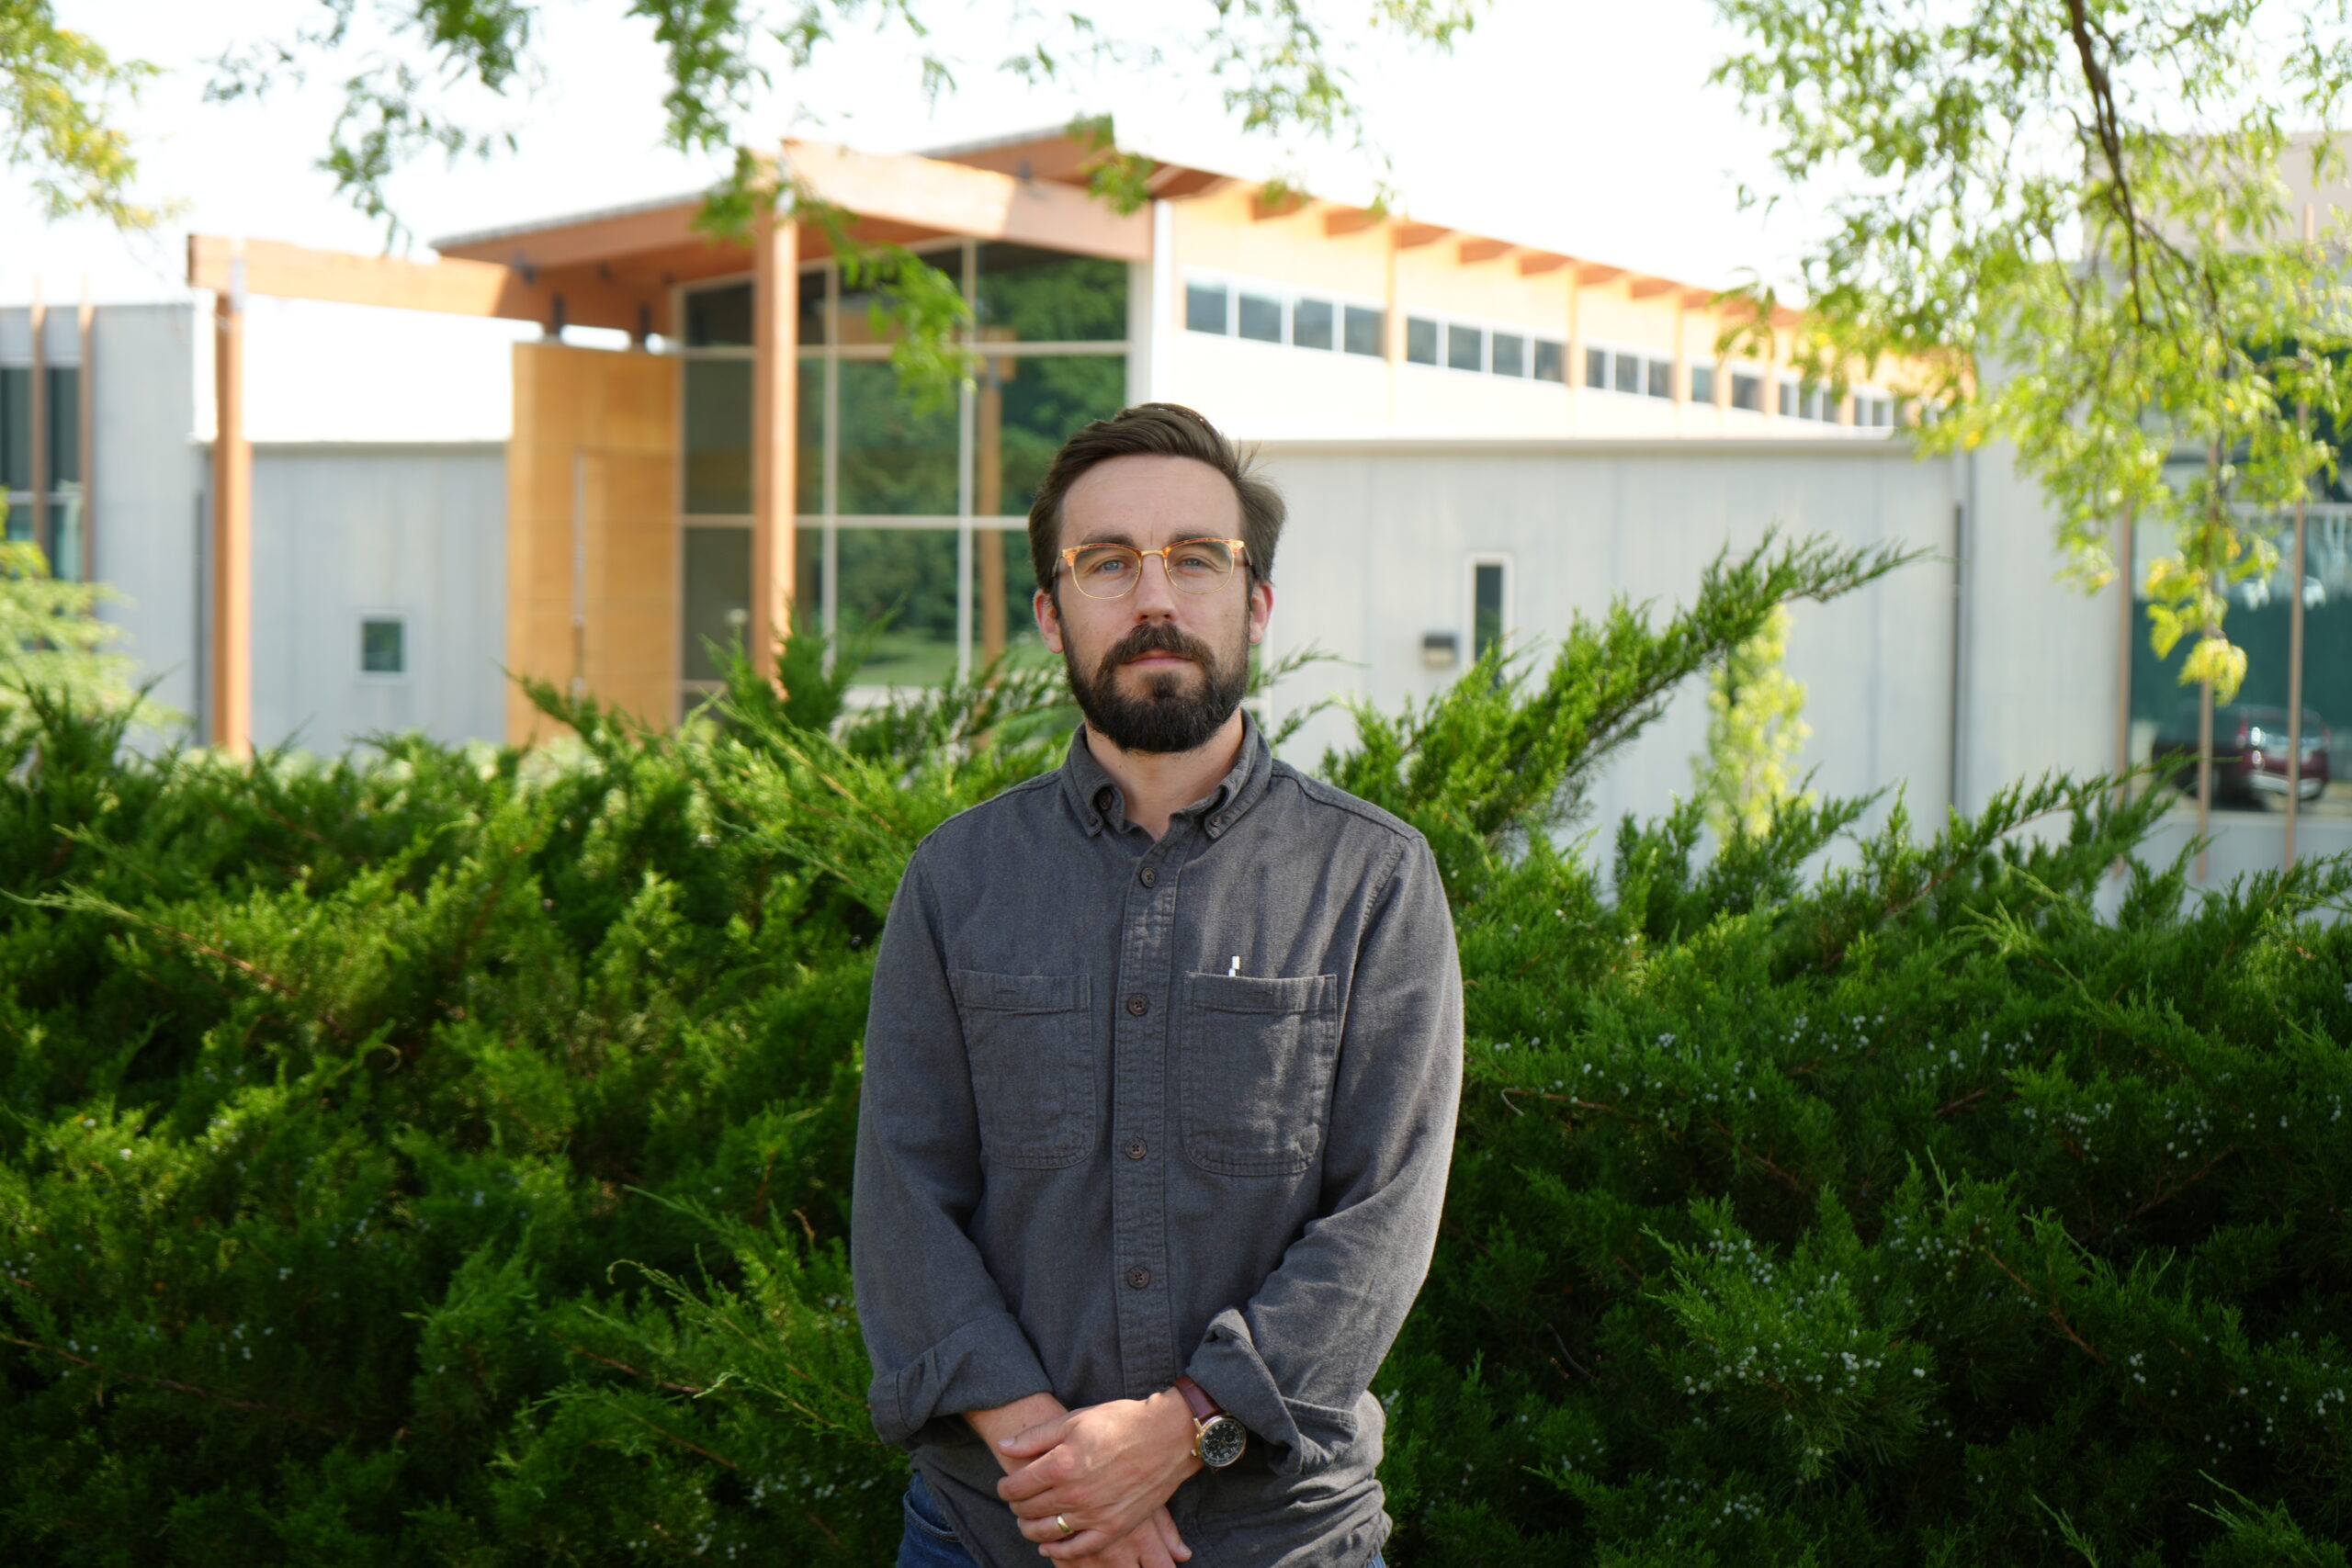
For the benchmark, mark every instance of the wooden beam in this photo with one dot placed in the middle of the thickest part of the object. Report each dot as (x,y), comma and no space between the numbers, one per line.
(1697,299)
(1175,183)
(458,287)
(775,386)
(958,199)
(608,237)
(1650,288)
(1347,220)
(232,716)
(1533,264)
(1593,272)
(1281,206)
(1411,235)
(1472,252)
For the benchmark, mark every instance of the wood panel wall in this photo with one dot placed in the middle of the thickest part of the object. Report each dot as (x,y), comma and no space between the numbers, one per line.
(591,525)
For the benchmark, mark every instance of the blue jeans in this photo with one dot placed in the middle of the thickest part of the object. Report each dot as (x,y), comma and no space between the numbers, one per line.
(930,1540)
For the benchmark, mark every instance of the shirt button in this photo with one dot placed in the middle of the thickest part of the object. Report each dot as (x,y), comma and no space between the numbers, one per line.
(1138,1278)
(1134,1148)
(1138,1005)
(1217,822)
(1151,875)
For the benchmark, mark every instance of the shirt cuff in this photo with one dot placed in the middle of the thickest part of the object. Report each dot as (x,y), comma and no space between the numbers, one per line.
(987,1362)
(1305,1437)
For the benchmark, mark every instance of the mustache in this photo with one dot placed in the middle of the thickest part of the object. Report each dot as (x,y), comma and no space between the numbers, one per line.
(1157,637)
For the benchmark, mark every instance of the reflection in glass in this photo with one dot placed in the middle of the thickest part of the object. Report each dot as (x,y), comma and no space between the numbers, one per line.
(1262,318)
(898,456)
(1465,348)
(721,318)
(1511,354)
(1310,323)
(1420,340)
(857,318)
(1026,407)
(1365,327)
(65,536)
(809,454)
(1748,392)
(902,581)
(1661,379)
(717,460)
(715,599)
(1205,308)
(1487,608)
(1551,361)
(1005,586)
(15,432)
(1702,383)
(1629,373)
(1595,367)
(1034,295)
(64,426)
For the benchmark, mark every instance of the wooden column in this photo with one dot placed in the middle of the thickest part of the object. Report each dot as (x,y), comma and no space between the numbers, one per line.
(233,526)
(775,385)
(988,463)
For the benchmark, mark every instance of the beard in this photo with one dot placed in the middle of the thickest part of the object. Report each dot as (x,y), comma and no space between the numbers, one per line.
(1171,713)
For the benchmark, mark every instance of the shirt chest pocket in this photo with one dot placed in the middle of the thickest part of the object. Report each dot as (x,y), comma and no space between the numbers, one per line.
(1256,1055)
(1030,1040)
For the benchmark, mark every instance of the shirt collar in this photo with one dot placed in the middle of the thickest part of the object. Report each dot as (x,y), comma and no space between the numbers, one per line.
(1099,803)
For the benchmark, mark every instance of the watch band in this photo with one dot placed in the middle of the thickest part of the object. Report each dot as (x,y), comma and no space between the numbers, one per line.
(1196,1399)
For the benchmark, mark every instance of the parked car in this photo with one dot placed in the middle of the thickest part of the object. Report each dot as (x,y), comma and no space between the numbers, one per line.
(2249,753)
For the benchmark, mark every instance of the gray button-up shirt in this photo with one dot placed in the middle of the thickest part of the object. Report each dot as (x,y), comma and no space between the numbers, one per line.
(1133,1109)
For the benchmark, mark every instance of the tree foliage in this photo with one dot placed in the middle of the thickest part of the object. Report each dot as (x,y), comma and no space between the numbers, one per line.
(2074,217)
(60,90)
(1755,728)
(441,1156)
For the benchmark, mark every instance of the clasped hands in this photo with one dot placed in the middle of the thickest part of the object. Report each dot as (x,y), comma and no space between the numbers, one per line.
(1107,1468)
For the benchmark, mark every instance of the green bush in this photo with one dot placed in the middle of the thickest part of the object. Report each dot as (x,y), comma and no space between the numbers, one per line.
(438,1157)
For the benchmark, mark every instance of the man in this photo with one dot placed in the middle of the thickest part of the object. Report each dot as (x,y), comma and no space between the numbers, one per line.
(1161,1077)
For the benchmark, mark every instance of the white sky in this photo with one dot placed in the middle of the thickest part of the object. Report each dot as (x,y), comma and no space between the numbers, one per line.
(1585,126)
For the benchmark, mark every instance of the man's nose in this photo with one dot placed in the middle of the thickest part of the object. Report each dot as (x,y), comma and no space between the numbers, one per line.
(1155,595)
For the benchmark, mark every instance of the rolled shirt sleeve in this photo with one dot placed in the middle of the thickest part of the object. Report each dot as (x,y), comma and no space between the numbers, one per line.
(1293,1363)
(936,1326)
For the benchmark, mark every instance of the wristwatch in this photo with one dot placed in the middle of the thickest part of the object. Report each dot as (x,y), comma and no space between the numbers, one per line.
(1217,1438)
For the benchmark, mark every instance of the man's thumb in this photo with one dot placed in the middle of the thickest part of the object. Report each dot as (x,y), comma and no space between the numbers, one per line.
(1033,1440)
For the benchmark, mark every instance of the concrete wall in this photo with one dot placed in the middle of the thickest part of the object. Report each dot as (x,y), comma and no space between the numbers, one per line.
(342,532)
(1381,537)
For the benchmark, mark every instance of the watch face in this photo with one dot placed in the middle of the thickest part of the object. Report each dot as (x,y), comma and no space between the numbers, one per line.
(1222,1439)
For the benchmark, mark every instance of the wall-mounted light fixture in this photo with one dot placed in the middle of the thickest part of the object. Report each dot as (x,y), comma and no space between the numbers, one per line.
(1440,649)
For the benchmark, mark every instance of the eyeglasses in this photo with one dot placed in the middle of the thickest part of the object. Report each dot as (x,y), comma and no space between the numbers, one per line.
(1111,572)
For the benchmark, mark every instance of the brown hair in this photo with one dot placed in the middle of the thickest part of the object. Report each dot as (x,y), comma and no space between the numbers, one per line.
(1158,430)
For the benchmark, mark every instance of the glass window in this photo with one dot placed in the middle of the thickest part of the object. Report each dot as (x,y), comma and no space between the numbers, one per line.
(1366,330)
(1486,607)
(897,458)
(856,323)
(1595,367)
(1205,308)
(903,580)
(64,426)
(1702,383)
(809,455)
(1420,340)
(1261,317)
(65,538)
(383,646)
(1465,348)
(1310,323)
(717,437)
(1789,399)
(1511,354)
(1747,391)
(1036,295)
(1817,406)
(1026,407)
(1551,360)
(1661,383)
(1009,627)
(721,318)
(1628,372)
(715,599)
(15,432)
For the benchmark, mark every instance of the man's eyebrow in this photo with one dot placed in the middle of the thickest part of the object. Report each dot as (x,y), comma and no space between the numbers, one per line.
(1112,537)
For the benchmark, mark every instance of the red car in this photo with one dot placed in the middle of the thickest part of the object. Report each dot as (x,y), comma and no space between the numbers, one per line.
(2249,753)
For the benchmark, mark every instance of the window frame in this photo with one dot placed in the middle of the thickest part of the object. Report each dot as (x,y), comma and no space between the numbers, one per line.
(403,618)
(1470,565)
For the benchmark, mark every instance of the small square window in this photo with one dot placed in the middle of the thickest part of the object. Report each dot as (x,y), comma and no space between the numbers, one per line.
(383,646)
(1661,379)
(1205,308)
(1511,354)
(1596,368)
(1310,323)
(1702,383)
(1365,327)
(1817,405)
(1551,361)
(1262,318)
(1748,392)
(1789,399)
(1420,340)
(1465,348)
(1629,373)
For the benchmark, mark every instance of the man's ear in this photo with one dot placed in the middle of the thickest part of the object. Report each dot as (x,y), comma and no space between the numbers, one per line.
(1261,609)
(1049,619)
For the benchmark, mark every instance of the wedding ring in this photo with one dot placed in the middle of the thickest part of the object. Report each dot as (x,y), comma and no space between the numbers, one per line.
(1063,1525)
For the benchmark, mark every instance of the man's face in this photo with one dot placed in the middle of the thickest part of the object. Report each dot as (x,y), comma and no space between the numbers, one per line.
(1159,670)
